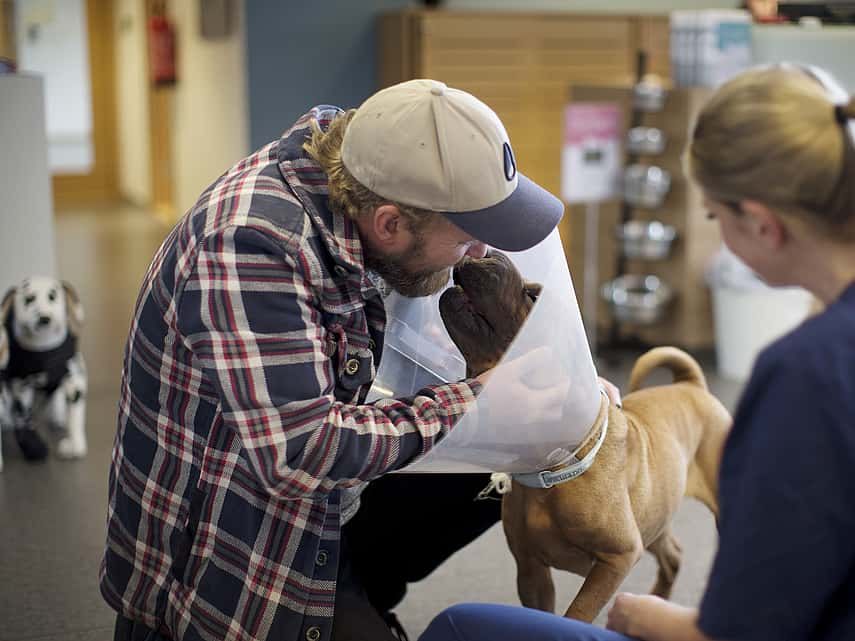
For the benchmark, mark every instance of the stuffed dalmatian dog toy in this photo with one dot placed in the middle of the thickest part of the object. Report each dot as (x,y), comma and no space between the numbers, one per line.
(45,374)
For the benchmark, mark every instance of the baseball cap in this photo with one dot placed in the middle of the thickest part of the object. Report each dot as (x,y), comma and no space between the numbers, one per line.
(427,145)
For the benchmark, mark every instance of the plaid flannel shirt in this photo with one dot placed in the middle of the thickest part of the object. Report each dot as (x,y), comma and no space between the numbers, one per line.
(254,341)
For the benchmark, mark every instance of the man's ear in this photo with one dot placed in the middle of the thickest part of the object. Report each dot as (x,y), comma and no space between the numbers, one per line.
(389,228)
(766,225)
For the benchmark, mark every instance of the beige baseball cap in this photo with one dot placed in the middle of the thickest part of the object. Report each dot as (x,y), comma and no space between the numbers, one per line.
(426,145)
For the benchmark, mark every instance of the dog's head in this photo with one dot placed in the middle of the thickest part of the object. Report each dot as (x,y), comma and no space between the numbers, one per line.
(486,308)
(43,312)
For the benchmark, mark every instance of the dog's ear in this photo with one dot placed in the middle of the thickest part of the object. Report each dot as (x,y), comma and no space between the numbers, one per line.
(533,290)
(4,347)
(6,305)
(73,308)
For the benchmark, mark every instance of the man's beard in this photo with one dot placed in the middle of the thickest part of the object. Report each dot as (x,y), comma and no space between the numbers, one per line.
(394,270)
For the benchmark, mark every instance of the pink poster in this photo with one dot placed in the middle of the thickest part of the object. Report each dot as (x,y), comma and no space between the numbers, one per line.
(591,154)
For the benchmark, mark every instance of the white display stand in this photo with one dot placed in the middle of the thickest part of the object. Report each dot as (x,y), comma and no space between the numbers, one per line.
(26,206)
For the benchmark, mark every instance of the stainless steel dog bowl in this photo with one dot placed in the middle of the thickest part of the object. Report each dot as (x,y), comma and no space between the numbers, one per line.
(648,96)
(645,240)
(647,141)
(636,298)
(645,186)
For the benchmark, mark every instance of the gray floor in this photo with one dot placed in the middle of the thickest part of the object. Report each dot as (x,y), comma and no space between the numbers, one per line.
(52,515)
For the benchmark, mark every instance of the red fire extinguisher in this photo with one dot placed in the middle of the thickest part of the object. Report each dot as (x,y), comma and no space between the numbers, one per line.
(161,50)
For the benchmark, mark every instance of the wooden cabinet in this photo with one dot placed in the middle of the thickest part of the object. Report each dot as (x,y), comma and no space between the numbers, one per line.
(522,65)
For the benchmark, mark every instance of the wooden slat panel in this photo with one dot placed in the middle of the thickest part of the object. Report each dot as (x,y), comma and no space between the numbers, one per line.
(396,48)
(653,34)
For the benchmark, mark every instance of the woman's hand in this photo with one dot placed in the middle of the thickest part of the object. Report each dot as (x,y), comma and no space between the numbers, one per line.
(611,390)
(650,618)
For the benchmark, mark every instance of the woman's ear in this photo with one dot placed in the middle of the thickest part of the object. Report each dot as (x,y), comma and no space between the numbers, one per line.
(765,223)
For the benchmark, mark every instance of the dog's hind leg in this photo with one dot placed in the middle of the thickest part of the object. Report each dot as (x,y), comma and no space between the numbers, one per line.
(700,486)
(668,553)
(702,480)
(534,584)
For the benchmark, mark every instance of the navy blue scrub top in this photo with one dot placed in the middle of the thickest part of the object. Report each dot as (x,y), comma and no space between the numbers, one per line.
(785,569)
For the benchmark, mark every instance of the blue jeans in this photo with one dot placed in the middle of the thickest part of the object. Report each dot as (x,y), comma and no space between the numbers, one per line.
(492,622)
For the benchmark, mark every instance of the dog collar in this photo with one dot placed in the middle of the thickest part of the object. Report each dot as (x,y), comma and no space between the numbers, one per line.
(550,478)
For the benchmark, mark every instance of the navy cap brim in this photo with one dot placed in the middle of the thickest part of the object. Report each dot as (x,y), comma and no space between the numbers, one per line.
(519,222)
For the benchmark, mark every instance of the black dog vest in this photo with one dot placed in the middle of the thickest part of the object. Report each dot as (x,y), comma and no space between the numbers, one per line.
(52,363)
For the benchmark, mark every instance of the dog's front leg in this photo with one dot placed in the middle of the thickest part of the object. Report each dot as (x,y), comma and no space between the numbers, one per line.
(5,416)
(534,584)
(74,445)
(602,582)
(73,393)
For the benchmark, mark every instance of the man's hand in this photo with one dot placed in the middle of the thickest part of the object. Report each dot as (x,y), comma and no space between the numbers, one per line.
(530,392)
(533,393)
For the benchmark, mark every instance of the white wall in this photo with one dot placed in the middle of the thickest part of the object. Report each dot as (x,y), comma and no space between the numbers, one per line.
(595,6)
(52,42)
(26,207)
(831,47)
(132,108)
(210,122)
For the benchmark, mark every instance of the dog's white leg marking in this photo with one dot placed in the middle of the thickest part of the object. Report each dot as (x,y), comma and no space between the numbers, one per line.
(55,410)
(73,391)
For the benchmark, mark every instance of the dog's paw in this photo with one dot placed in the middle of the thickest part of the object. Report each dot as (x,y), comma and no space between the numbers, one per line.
(69,448)
(32,446)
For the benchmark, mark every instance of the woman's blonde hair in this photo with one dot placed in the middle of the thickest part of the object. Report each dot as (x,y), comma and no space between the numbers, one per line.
(348,196)
(773,135)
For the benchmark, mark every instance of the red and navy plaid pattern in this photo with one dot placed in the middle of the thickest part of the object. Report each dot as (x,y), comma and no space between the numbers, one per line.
(253,344)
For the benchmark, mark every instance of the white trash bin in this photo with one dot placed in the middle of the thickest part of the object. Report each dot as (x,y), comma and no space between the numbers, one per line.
(748,315)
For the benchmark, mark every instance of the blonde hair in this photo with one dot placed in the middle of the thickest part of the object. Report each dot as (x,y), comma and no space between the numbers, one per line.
(773,135)
(347,196)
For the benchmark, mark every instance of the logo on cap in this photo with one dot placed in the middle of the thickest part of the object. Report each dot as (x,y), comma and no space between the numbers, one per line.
(510,163)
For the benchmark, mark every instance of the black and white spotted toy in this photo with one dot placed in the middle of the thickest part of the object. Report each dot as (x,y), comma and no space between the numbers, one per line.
(45,375)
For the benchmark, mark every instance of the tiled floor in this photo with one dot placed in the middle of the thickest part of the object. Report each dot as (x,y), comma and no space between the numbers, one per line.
(52,515)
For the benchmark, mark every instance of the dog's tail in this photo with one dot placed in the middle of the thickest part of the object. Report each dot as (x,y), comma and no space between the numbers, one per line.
(684,368)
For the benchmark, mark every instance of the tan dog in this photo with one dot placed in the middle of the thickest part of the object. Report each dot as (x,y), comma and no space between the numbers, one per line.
(664,443)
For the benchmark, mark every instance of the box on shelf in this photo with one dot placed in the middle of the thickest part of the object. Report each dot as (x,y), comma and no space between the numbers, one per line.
(709,47)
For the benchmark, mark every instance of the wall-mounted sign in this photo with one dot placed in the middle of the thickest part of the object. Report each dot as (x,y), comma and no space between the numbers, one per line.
(591,153)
